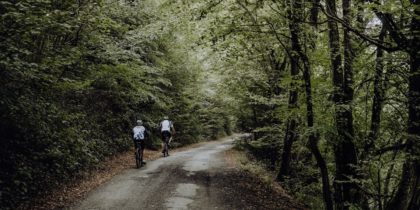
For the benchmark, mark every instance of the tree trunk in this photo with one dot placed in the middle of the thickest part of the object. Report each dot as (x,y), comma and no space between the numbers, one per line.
(294,27)
(289,138)
(414,109)
(408,192)
(344,149)
(291,134)
(314,136)
(378,96)
(314,13)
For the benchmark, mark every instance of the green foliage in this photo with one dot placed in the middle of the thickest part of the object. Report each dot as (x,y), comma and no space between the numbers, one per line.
(250,40)
(76,75)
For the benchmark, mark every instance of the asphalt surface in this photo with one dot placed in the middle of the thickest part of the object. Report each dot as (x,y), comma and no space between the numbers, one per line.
(184,180)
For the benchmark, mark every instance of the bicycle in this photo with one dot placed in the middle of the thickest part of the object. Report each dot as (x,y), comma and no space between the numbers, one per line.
(138,155)
(166,146)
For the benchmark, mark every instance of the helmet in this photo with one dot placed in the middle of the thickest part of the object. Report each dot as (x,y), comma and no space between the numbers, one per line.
(139,122)
(165,117)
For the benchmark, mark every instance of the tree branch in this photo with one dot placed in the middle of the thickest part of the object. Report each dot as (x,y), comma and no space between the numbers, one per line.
(388,47)
(396,147)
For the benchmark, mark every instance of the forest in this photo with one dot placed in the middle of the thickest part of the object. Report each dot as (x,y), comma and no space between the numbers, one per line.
(329,90)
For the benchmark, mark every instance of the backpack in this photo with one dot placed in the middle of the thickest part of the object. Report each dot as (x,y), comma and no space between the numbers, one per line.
(140,135)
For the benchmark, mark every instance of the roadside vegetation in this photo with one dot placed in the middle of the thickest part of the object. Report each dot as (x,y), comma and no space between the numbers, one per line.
(75,77)
(329,90)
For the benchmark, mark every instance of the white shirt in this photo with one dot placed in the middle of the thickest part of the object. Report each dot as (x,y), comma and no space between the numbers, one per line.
(165,125)
(138,132)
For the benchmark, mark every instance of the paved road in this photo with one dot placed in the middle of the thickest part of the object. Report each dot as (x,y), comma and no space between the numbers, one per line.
(180,181)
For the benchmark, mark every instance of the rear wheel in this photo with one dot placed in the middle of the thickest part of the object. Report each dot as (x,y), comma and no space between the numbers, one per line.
(139,156)
(165,148)
(138,161)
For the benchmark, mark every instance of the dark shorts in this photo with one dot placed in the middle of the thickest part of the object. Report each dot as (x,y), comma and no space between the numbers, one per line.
(166,135)
(141,142)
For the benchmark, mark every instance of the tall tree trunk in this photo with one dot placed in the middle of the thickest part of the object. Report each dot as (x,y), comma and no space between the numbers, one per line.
(314,136)
(408,192)
(294,27)
(291,134)
(289,138)
(377,104)
(378,95)
(314,12)
(414,108)
(378,91)
(344,149)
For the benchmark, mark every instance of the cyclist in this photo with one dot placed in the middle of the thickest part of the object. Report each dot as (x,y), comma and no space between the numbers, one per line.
(139,136)
(166,126)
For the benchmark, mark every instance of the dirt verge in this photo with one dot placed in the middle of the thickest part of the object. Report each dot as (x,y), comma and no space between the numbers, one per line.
(252,186)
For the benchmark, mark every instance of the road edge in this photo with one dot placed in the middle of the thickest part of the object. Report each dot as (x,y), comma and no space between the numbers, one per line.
(72,192)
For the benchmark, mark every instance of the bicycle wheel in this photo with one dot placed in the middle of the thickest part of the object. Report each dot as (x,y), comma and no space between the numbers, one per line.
(140,156)
(138,161)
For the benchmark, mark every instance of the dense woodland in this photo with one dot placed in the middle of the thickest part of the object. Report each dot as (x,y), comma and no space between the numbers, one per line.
(330,90)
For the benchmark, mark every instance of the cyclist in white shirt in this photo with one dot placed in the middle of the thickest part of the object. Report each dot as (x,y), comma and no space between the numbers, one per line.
(166,129)
(139,136)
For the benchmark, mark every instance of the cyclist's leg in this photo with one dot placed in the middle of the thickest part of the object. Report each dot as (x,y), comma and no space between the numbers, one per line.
(167,143)
(135,147)
(163,135)
(142,146)
(163,141)
(135,144)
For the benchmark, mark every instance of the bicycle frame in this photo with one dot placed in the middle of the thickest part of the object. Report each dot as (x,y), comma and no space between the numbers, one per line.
(166,147)
(138,155)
